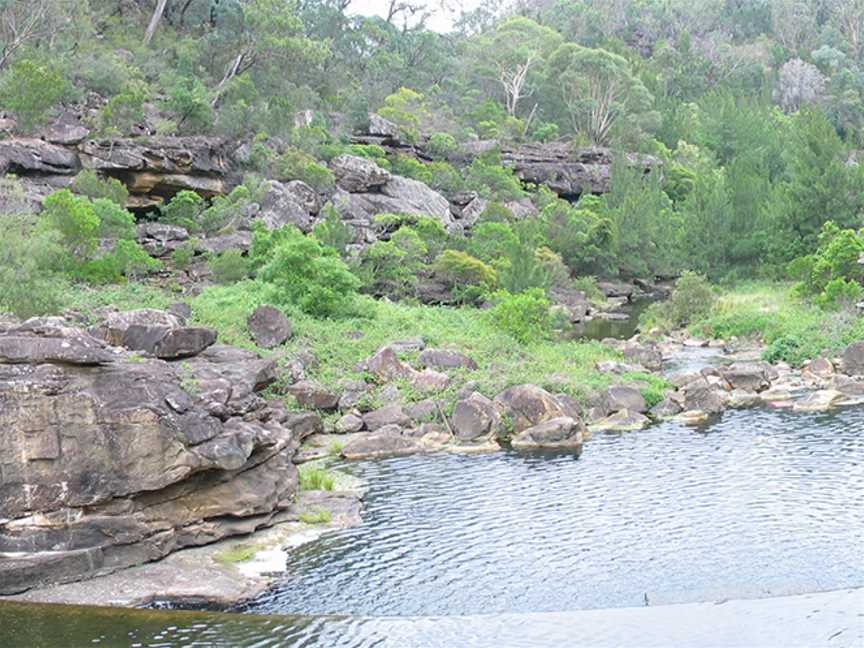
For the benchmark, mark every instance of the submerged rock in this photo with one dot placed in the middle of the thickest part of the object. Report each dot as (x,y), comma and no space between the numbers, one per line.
(622,421)
(819,401)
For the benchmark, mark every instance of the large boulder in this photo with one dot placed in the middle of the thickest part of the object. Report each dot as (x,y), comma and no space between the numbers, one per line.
(475,417)
(649,356)
(853,359)
(386,442)
(529,405)
(385,365)
(50,340)
(268,326)
(621,397)
(26,156)
(314,395)
(280,205)
(749,376)
(561,432)
(169,343)
(384,416)
(115,464)
(358,175)
(113,328)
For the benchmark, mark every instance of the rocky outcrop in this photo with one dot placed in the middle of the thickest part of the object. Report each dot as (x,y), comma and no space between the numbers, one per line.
(853,359)
(109,459)
(358,175)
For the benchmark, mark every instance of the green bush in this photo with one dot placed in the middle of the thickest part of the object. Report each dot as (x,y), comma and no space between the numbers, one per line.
(691,301)
(229,267)
(294,164)
(463,271)
(183,255)
(30,90)
(491,180)
(832,275)
(126,260)
(184,209)
(300,271)
(332,232)
(441,145)
(125,109)
(74,220)
(29,284)
(89,183)
(189,101)
(525,315)
(392,267)
(520,269)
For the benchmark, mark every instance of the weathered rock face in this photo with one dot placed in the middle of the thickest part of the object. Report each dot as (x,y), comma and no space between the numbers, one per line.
(26,156)
(475,417)
(529,405)
(567,171)
(287,204)
(358,175)
(109,460)
(159,167)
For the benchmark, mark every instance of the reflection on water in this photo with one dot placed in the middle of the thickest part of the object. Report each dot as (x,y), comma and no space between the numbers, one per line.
(600,328)
(761,503)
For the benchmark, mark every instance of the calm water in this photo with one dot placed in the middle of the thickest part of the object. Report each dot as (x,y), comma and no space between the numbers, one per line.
(761,503)
(620,329)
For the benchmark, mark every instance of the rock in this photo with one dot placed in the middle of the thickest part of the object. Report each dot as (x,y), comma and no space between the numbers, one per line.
(358,175)
(622,421)
(114,327)
(305,195)
(820,368)
(181,310)
(665,409)
(529,405)
(385,365)
(312,394)
(747,376)
(423,411)
(445,359)
(112,465)
(621,397)
(430,381)
(853,359)
(849,387)
(566,170)
(399,196)
(349,423)
(280,205)
(387,415)
(50,340)
(475,417)
(819,401)
(561,432)
(702,397)
(382,127)
(691,417)
(388,441)
(408,345)
(161,166)
(649,357)
(777,393)
(353,392)
(741,398)
(268,326)
(160,239)
(27,156)
(168,343)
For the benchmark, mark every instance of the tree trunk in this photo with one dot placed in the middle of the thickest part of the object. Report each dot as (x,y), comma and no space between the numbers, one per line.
(154,21)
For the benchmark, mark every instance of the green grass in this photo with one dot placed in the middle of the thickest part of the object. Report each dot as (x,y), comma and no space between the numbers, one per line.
(316,517)
(314,477)
(238,553)
(792,329)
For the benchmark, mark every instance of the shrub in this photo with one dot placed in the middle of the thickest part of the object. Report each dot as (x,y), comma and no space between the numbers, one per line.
(189,101)
(391,267)
(229,267)
(28,283)
(74,220)
(407,109)
(294,164)
(462,269)
(89,183)
(114,221)
(30,90)
(300,271)
(491,240)
(441,145)
(832,274)
(522,270)
(544,132)
(225,210)
(691,301)
(184,209)
(525,315)
(126,259)
(491,180)
(332,232)
(183,255)
(125,109)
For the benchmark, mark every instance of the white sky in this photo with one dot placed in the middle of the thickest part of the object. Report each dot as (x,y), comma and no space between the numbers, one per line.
(441,19)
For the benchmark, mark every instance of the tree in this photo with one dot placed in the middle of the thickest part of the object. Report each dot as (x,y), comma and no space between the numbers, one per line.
(511,55)
(154,21)
(595,88)
(30,90)
(800,83)
(25,22)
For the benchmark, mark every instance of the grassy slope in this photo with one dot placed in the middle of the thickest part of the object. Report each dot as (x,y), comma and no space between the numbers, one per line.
(560,366)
